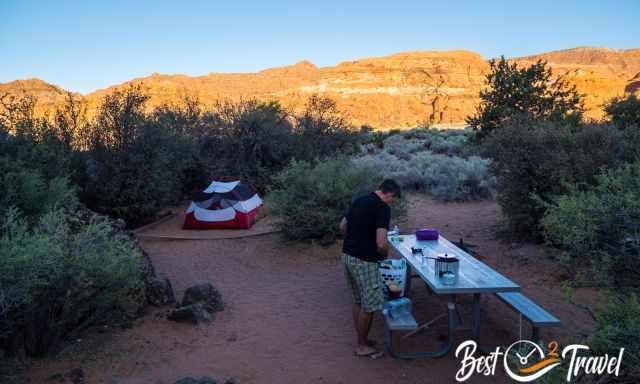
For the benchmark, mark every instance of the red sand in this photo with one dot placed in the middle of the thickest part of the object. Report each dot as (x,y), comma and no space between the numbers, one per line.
(287,316)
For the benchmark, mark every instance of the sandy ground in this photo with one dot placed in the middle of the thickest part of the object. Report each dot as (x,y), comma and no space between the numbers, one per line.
(287,316)
(170,228)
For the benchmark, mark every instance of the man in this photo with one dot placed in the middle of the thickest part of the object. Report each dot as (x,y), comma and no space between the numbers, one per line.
(365,244)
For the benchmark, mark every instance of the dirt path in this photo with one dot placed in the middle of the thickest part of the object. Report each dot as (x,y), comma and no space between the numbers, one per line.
(287,314)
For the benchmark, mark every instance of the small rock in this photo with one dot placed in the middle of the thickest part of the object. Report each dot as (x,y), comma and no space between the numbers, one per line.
(205,294)
(159,291)
(59,377)
(327,239)
(231,380)
(193,313)
(76,376)
(187,380)
(191,380)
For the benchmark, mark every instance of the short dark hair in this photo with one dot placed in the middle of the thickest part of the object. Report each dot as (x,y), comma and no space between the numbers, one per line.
(391,186)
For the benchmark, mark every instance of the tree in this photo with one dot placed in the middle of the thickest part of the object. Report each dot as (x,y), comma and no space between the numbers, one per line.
(524,92)
(624,111)
(322,130)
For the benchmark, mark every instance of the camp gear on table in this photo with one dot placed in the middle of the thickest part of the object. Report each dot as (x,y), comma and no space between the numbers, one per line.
(393,271)
(427,234)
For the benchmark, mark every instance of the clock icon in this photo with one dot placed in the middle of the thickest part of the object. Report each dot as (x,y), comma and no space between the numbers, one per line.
(525,361)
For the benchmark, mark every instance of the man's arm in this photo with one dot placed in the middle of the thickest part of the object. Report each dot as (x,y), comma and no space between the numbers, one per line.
(343,225)
(381,242)
(383,216)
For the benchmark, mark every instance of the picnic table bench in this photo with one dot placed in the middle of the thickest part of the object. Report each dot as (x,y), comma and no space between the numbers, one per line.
(474,277)
(535,314)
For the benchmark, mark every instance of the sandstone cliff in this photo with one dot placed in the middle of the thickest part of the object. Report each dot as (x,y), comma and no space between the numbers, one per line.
(385,92)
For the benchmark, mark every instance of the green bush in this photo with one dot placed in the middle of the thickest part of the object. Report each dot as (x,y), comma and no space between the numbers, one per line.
(619,327)
(452,178)
(600,227)
(54,280)
(527,93)
(36,142)
(135,165)
(431,160)
(536,160)
(321,131)
(312,198)
(28,191)
(248,139)
(130,163)
(624,111)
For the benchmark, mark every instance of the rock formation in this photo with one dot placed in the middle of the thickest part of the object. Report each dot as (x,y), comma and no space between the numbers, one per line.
(394,91)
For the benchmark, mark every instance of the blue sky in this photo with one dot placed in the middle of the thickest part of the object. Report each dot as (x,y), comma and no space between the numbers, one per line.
(86,45)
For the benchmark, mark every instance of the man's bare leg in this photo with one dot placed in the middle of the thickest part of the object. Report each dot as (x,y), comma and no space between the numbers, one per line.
(355,310)
(363,326)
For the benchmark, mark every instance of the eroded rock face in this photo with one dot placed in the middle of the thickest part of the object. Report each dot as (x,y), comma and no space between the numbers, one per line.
(385,92)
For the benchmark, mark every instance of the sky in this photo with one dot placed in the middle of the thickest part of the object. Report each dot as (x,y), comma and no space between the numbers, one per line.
(87,45)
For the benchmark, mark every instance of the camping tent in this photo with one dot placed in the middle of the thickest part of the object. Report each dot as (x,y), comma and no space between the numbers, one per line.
(223,205)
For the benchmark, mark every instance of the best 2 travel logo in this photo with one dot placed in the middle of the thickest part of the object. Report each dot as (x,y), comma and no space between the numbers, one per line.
(525,361)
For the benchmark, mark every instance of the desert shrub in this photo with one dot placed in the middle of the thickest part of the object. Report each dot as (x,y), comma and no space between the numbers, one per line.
(35,140)
(402,148)
(393,168)
(404,143)
(255,140)
(446,178)
(134,165)
(54,280)
(312,198)
(187,124)
(249,139)
(624,111)
(599,228)
(536,160)
(322,130)
(619,326)
(130,163)
(528,93)
(31,194)
(28,191)
(452,178)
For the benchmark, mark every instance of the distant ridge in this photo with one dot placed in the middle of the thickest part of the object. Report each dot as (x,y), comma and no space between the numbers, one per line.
(394,91)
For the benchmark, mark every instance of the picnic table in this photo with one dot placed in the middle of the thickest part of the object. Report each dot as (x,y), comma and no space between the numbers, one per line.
(474,278)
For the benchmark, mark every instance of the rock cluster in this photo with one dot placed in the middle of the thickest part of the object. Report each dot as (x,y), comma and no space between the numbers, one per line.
(205,380)
(198,304)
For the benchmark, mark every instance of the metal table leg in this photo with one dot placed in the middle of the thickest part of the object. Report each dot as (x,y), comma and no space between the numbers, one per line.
(407,280)
(475,325)
(444,349)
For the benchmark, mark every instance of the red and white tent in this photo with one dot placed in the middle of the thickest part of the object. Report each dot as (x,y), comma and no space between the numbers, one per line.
(223,205)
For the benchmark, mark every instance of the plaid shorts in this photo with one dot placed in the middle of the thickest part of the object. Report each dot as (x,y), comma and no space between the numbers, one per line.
(365,282)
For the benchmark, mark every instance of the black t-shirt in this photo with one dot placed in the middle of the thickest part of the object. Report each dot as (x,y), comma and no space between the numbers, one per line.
(366,214)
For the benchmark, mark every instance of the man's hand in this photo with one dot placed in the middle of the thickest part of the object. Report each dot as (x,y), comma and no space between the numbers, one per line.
(343,225)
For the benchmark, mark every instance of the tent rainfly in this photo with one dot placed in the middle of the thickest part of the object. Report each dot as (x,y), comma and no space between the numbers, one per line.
(223,205)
